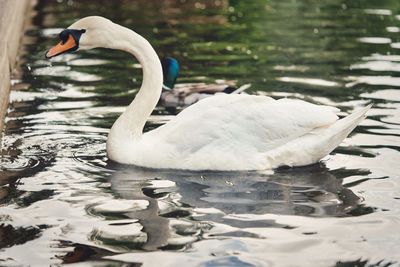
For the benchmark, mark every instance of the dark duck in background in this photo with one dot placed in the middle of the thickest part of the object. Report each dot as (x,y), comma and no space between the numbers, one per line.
(185,94)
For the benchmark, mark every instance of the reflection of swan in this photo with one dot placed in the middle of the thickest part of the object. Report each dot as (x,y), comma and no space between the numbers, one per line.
(283,192)
(183,95)
(310,191)
(224,132)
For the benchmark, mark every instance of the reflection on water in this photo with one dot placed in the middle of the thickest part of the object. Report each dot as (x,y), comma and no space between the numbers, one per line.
(63,201)
(189,197)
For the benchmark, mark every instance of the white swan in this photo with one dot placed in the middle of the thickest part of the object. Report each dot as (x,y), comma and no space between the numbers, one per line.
(223,132)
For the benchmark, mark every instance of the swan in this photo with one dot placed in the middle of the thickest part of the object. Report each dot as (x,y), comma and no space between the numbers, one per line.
(184,95)
(227,132)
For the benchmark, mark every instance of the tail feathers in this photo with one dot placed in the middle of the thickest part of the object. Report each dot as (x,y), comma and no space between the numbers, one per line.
(337,132)
(315,145)
(332,136)
(343,127)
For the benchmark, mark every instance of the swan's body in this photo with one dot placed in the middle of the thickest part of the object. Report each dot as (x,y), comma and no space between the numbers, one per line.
(223,132)
(185,94)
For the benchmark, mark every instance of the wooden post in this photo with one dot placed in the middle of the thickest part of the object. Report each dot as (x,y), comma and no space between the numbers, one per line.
(12,16)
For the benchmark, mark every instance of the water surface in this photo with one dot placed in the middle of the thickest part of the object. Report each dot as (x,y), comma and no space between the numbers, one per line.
(63,201)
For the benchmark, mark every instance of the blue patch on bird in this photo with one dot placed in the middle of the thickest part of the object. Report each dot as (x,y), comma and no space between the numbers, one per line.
(170,71)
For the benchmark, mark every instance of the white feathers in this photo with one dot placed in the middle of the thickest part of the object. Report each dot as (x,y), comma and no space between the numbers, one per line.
(222,132)
(240,132)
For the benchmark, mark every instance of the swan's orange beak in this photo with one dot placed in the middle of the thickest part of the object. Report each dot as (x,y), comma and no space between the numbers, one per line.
(62,47)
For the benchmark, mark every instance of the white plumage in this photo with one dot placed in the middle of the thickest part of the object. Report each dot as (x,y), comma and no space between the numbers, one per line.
(241,132)
(223,132)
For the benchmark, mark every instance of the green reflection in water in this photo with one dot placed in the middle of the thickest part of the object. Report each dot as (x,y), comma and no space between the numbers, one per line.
(252,42)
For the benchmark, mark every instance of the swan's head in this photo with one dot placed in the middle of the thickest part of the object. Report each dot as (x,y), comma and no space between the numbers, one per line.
(84,34)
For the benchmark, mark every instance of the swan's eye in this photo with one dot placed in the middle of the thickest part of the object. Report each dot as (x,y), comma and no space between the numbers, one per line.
(64,35)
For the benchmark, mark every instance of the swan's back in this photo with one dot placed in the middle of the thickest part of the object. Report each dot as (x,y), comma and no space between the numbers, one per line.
(237,132)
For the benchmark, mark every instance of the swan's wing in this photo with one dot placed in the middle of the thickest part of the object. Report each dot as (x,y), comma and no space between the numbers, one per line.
(264,114)
(236,127)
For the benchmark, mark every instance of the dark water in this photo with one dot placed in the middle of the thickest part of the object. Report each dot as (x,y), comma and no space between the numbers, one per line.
(63,201)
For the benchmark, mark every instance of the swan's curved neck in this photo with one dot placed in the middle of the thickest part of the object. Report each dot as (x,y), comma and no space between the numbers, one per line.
(129,126)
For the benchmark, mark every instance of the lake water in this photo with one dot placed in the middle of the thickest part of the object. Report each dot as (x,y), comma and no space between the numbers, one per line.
(63,201)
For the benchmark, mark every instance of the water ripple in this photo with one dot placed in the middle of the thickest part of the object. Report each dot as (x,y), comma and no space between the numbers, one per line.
(310,81)
(395,45)
(393,29)
(378,66)
(64,71)
(375,40)
(64,201)
(384,12)
(373,80)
